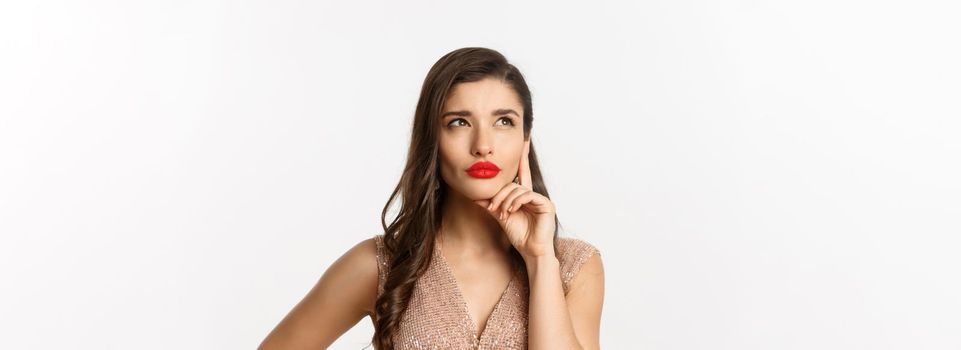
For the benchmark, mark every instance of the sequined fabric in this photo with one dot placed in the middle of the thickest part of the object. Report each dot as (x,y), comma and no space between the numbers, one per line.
(437,316)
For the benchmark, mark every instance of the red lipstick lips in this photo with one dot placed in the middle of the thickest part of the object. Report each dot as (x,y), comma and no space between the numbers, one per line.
(483,170)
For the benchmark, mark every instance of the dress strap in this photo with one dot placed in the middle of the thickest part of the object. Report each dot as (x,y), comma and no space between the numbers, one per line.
(381,263)
(572,253)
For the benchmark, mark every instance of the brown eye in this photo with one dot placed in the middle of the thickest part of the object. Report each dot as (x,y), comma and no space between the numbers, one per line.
(511,121)
(452,121)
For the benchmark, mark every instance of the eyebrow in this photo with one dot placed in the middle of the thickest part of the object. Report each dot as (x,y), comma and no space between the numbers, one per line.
(501,111)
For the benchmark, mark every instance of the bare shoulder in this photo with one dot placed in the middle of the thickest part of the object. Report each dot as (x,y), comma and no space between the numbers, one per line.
(343,295)
(360,265)
(362,255)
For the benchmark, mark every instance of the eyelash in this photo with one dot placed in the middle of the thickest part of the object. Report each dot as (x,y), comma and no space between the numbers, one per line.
(452,121)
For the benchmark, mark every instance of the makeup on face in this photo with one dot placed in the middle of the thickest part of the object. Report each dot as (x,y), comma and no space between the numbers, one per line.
(483,170)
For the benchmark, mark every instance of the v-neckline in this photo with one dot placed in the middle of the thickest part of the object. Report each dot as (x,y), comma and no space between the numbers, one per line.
(463,301)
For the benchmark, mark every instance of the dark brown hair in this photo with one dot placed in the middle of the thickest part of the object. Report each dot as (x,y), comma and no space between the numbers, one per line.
(409,239)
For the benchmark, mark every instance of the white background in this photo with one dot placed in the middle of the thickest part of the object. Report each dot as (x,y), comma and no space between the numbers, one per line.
(756,174)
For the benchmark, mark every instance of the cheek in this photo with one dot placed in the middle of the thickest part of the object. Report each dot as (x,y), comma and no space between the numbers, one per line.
(447,164)
(450,150)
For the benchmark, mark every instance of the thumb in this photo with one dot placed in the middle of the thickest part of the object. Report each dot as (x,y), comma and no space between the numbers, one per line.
(483,203)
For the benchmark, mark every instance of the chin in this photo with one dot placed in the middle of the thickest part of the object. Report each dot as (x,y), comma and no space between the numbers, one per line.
(478,190)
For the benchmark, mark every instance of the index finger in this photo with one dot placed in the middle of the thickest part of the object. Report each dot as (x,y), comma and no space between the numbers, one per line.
(524,170)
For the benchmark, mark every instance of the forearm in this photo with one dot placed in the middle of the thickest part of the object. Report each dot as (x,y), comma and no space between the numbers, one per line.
(549,321)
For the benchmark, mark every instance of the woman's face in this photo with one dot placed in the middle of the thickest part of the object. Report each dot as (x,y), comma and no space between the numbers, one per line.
(480,121)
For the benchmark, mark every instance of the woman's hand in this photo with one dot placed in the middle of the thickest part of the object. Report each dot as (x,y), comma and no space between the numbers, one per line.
(527,217)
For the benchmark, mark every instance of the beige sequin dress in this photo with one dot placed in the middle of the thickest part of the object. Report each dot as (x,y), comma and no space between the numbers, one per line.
(437,316)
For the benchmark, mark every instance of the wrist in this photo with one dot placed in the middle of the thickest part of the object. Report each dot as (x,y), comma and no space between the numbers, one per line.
(535,262)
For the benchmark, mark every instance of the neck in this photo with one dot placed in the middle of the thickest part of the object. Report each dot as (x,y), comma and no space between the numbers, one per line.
(468,229)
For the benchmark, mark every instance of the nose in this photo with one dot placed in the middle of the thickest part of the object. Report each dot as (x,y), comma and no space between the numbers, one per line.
(482,145)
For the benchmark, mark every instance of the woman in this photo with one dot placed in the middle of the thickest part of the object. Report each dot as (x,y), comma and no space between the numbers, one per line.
(472,259)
